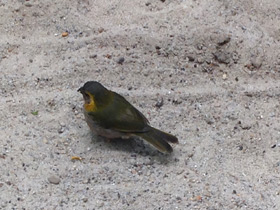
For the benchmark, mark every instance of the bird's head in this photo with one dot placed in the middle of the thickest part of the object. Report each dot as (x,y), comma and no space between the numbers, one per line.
(95,95)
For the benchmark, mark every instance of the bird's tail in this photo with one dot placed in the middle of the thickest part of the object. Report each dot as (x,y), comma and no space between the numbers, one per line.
(159,139)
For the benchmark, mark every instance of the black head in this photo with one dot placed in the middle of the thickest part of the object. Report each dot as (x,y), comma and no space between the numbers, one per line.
(98,91)
(93,88)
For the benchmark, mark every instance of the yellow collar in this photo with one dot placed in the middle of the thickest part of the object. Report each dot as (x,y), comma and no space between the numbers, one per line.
(90,107)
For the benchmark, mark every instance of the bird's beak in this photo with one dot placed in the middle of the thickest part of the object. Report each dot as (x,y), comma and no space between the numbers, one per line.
(81,90)
(85,95)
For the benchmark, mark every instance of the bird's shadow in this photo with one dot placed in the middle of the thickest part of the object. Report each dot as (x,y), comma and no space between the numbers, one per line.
(133,146)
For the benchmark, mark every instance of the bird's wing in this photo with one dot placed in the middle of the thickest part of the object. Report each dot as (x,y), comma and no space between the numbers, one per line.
(121,116)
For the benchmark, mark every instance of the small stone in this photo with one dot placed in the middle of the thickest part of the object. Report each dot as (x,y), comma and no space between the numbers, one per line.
(199,46)
(101,30)
(224,40)
(200,60)
(28,4)
(93,56)
(209,120)
(61,130)
(191,58)
(101,204)
(273,146)
(178,198)
(224,76)
(198,198)
(248,94)
(222,57)
(62,124)
(108,56)
(159,103)
(240,147)
(120,60)
(257,62)
(64,34)
(157,47)
(54,180)
(86,181)
(176,101)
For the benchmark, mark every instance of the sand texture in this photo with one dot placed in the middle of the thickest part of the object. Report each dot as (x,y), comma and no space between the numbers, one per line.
(205,71)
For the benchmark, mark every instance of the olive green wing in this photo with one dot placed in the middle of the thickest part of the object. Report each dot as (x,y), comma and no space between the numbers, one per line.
(120,115)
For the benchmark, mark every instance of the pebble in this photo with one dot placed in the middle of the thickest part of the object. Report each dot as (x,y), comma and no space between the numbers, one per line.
(64,34)
(209,119)
(86,181)
(157,47)
(224,40)
(159,103)
(257,62)
(240,147)
(93,56)
(54,180)
(101,204)
(101,30)
(120,60)
(178,198)
(176,101)
(224,76)
(28,4)
(222,57)
(200,60)
(61,130)
(191,58)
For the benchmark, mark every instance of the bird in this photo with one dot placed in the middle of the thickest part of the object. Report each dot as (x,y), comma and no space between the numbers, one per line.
(110,115)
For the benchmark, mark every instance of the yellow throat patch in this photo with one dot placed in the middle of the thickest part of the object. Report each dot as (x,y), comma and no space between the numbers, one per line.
(91,106)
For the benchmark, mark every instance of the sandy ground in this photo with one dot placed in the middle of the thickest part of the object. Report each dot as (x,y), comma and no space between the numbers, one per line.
(216,66)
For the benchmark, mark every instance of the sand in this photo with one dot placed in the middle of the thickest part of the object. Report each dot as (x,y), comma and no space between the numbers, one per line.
(205,71)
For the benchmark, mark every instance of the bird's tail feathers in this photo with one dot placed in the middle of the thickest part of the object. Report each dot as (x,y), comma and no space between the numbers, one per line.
(159,139)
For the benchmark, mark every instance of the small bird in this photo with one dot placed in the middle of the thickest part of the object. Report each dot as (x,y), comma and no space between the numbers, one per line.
(110,115)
